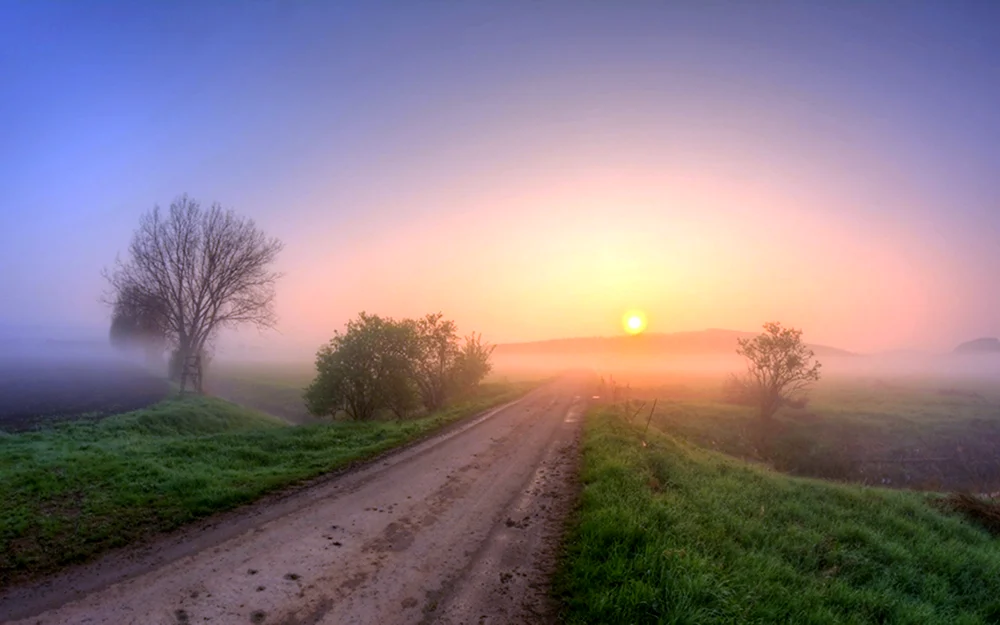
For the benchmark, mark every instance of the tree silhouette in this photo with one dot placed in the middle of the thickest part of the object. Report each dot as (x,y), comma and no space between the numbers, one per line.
(193,271)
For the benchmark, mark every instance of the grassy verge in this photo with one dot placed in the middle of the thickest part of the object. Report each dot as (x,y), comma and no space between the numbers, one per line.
(73,491)
(672,533)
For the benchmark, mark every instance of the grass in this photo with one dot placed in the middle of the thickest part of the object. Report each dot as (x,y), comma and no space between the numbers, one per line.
(274,388)
(935,434)
(672,533)
(75,490)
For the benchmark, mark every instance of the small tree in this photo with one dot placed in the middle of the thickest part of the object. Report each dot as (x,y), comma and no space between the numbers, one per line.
(472,364)
(381,364)
(366,368)
(437,351)
(779,368)
(198,271)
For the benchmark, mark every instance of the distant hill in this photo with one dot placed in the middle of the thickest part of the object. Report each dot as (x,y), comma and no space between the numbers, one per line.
(980,346)
(904,353)
(705,342)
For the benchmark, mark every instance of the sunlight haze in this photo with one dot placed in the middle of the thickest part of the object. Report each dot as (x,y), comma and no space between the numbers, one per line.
(533,171)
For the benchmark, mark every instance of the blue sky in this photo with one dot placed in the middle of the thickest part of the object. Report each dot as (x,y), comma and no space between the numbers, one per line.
(345,128)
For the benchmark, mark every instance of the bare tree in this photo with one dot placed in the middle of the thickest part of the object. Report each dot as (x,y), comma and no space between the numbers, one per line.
(199,271)
(779,367)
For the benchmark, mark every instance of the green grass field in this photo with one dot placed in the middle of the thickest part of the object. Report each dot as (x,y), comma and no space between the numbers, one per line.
(77,489)
(672,533)
(276,389)
(933,434)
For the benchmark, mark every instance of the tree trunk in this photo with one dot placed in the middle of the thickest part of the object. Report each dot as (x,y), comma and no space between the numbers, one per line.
(766,429)
(190,362)
(177,359)
(197,372)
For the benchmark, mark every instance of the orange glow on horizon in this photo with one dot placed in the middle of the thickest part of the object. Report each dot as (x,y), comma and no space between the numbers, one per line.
(699,249)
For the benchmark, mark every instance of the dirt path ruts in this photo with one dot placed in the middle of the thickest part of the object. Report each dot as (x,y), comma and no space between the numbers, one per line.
(458,529)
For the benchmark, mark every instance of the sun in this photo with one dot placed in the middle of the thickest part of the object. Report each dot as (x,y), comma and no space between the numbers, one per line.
(634,321)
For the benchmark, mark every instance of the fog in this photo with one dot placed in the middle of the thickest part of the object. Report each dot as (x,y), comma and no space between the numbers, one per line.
(942,367)
(939,402)
(710,353)
(47,379)
(58,346)
(530,171)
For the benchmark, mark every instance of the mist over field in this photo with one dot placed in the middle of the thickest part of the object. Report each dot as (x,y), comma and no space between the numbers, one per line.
(713,353)
(62,363)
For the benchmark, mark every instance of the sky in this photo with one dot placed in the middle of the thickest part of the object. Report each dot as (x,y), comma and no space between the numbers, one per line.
(530,169)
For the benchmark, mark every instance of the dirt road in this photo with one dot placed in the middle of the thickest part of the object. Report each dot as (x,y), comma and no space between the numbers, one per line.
(461,528)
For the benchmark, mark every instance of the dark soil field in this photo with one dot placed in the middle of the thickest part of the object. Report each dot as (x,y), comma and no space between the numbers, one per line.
(36,392)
